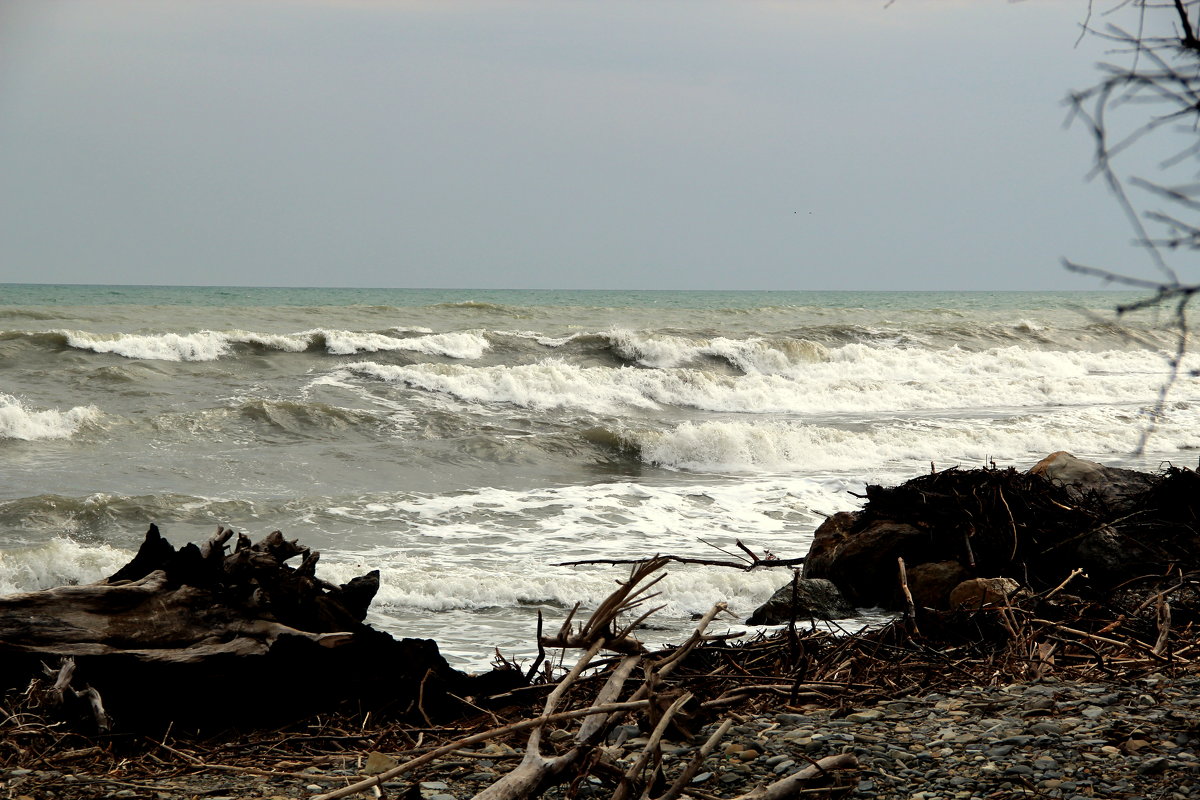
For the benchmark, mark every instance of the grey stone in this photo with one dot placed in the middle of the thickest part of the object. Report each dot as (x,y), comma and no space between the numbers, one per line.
(804,598)
(1153,766)
(869,715)
(792,719)
(1018,741)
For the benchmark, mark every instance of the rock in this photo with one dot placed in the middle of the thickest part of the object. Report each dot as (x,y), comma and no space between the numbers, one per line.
(1109,557)
(828,540)
(862,563)
(1114,486)
(377,763)
(979,592)
(931,583)
(869,715)
(1153,766)
(803,598)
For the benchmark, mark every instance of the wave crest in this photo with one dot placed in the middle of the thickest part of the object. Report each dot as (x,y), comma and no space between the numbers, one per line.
(19,422)
(59,562)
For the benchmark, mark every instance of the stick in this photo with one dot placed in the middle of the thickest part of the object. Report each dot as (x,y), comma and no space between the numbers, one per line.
(791,785)
(483,736)
(910,607)
(1075,573)
(622,790)
(704,562)
(694,765)
(1164,627)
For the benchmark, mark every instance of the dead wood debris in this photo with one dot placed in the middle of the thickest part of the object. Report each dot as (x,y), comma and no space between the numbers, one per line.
(676,690)
(557,731)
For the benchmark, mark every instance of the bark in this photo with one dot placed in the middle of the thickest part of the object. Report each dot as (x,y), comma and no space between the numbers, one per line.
(201,636)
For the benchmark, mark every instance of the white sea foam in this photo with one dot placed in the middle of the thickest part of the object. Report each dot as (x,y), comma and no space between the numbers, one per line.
(58,562)
(753,355)
(855,379)
(479,557)
(208,345)
(503,540)
(198,346)
(546,385)
(17,421)
(462,344)
(903,447)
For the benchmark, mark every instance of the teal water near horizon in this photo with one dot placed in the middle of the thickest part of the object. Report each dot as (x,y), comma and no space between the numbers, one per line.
(465,441)
(16,294)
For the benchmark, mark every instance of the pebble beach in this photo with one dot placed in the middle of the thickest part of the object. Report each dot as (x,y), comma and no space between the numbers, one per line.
(1052,739)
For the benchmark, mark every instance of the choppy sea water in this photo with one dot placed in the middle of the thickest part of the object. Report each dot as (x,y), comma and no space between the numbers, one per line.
(465,442)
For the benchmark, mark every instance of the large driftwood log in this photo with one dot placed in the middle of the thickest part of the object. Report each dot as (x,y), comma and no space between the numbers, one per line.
(204,636)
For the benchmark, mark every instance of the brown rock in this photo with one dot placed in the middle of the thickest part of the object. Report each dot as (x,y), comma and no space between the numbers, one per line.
(932,583)
(827,541)
(862,563)
(980,592)
(1113,486)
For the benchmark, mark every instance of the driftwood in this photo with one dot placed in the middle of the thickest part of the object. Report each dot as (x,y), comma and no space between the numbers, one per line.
(749,561)
(238,636)
(666,713)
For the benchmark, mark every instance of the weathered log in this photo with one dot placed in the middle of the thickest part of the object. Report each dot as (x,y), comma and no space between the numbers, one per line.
(201,636)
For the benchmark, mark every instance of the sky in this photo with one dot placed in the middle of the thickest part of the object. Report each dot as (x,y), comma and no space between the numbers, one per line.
(565,144)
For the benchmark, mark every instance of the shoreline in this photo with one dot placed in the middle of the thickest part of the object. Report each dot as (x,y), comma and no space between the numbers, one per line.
(1034,690)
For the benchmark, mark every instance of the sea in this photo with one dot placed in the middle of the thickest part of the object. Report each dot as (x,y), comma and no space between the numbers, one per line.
(468,444)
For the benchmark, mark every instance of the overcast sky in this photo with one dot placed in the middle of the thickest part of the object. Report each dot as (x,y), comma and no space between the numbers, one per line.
(647,144)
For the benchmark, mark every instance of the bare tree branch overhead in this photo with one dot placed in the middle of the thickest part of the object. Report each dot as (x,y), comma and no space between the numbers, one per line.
(1149,102)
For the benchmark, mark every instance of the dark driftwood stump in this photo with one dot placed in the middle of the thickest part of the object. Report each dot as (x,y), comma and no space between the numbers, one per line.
(204,637)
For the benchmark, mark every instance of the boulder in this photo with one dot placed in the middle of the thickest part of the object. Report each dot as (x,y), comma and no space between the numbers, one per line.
(861,560)
(803,598)
(980,592)
(932,582)
(1115,487)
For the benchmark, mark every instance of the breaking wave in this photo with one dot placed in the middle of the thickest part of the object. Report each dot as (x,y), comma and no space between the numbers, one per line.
(757,446)
(751,356)
(17,421)
(853,379)
(213,345)
(58,562)
(199,346)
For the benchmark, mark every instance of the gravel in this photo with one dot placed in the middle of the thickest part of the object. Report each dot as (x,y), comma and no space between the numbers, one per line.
(1048,740)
